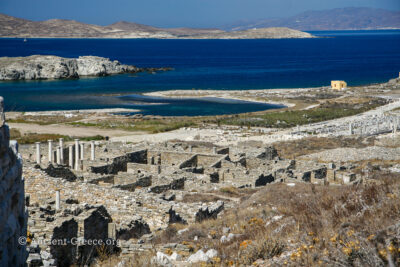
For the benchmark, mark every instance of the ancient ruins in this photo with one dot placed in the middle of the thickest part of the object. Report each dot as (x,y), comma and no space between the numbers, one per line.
(122,193)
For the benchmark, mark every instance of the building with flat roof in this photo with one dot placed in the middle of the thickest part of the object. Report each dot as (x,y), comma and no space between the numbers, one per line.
(338,85)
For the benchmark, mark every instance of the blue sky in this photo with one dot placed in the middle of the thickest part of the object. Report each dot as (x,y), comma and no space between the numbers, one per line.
(174,13)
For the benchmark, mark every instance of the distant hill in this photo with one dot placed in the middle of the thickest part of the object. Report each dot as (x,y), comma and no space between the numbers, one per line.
(59,28)
(349,18)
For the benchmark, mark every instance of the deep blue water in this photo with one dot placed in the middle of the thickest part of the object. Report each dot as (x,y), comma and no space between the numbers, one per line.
(361,57)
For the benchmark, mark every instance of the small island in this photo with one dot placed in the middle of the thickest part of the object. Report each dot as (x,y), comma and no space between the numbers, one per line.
(43,67)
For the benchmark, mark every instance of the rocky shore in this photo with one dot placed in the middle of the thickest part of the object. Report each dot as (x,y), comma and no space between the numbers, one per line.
(41,67)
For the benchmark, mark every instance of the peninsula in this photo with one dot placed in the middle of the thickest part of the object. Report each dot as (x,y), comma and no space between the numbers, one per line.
(58,28)
(42,67)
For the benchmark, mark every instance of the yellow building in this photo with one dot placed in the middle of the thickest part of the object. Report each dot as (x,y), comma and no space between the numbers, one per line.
(338,85)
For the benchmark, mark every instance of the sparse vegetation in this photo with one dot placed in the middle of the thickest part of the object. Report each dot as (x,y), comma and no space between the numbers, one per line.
(314,225)
(291,118)
(233,191)
(31,138)
(292,149)
(151,126)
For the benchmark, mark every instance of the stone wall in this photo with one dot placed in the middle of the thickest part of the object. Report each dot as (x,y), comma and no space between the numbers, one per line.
(12,200)
(120,163)
(171,158)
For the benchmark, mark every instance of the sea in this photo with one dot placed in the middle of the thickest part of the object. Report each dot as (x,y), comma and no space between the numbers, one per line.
(358,57)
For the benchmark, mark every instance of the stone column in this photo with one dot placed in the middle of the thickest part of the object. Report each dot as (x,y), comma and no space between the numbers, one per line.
(58,200)
(82,151)
(76,154)
(158,169)
(38,156)
(190,148)
(112,231)
(50,150)
(58,154)
(351,128)
(214,150)
(71,156)
(92,150)
(61,140)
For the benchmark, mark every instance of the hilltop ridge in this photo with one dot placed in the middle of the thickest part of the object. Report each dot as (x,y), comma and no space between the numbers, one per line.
(60,28)
(348,18)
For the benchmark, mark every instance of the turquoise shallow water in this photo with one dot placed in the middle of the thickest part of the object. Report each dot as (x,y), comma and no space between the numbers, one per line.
(358,57)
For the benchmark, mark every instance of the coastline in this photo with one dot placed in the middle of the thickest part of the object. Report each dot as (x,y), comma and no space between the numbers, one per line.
(232,94)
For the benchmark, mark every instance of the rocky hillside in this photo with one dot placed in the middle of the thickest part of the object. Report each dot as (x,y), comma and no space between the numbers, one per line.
(350,18)
(39,67)
(56,28)
(263,33)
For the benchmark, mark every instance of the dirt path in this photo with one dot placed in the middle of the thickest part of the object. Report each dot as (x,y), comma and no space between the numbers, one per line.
(68,130)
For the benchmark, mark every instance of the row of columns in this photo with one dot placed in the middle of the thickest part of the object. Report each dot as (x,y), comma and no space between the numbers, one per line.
(79,152)
(393,128)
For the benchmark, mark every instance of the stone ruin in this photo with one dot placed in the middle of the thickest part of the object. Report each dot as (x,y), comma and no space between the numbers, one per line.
(142,187)
(13,216)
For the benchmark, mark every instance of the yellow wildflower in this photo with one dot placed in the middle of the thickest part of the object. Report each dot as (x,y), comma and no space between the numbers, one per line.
(383,253)
(391,248)
(347,251)
(350,232)
(216,259)
(245,243)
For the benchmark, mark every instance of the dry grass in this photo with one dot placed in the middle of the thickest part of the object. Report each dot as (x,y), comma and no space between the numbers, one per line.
(31,138)
(305,225)
(296,148)
(44,120)
(142,259)
(189,198)
(231,191)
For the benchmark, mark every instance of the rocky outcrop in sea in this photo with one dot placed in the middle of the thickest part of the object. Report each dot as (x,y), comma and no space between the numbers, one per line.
(40,67)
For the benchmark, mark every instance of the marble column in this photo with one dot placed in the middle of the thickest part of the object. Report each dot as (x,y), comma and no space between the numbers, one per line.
(71,156)
(50,150)
(38,156)
(82,145)
(58,200)
(76,154)
(92,150)
(61,140)
(58,155)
